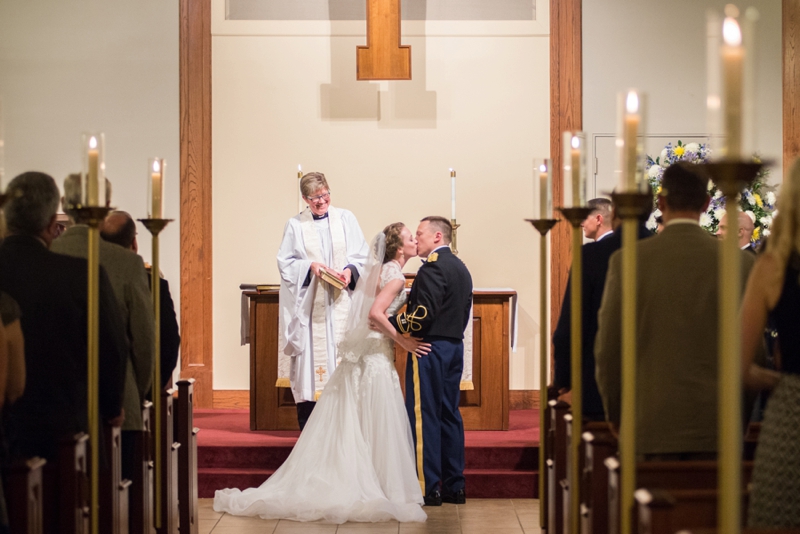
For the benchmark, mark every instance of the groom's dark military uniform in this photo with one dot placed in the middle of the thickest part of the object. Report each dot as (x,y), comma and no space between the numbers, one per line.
(438,310)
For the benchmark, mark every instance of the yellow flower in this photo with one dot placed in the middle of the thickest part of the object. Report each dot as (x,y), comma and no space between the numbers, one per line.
(759,202)
(658,190)
(679,151)
(756,233)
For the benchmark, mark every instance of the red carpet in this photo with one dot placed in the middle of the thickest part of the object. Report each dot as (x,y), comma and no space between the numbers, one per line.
(498,464)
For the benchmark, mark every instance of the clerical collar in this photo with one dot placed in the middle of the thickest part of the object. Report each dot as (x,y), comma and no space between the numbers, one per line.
(319,217)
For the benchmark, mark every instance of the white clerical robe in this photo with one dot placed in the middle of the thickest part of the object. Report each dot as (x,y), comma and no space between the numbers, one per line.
(312,318)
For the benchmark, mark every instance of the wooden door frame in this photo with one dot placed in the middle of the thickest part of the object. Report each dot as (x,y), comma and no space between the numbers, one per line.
(566,102)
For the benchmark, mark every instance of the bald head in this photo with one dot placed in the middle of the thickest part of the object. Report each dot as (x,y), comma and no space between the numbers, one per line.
(746,227)
(119,228)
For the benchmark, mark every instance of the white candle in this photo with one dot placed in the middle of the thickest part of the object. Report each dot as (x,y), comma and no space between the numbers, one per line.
(544,193)
(576,171)
(92,184)
(452,194)
(157,190)
(300,205)
(732,76)
(630,131)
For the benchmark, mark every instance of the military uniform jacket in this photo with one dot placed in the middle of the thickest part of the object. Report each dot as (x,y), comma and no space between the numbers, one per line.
(440,299)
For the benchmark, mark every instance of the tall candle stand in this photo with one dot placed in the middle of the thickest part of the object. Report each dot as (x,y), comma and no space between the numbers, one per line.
(543,226)
(731,177)
(630,207)
(454,240)
(92,216)
(155,226)
(576,216)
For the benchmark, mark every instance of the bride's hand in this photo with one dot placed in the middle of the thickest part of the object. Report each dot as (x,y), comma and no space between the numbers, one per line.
(415,345)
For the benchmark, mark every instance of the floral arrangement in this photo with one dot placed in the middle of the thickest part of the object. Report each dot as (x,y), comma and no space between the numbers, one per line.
(758,202)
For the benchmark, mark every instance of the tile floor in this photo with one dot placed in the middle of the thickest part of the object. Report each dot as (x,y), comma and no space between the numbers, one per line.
(478,516)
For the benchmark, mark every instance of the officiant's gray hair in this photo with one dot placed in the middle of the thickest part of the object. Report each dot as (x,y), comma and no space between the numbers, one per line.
(442,225)
(32,203)
(311,182)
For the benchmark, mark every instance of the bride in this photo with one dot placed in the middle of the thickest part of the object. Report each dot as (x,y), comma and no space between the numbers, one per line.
(354,461)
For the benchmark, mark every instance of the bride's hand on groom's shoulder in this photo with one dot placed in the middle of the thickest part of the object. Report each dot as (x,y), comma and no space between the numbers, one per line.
(415,345)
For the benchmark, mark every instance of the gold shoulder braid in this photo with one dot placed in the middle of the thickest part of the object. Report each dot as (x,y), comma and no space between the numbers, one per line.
(432,257)
(410,322)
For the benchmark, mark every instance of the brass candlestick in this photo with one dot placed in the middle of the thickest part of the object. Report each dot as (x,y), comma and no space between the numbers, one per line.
(155,226)
(92,216)
(731,177)
(630,207)
(543,226)
(454,241)
(576,216)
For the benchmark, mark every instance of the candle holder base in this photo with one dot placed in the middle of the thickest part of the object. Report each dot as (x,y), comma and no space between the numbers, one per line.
(632,205)
(89,215)
(454,240)
(732,176)
(155,226)
(543,225)
(575,215)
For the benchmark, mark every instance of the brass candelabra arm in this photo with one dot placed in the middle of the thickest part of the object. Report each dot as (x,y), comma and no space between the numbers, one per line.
(575,215)
(543,226)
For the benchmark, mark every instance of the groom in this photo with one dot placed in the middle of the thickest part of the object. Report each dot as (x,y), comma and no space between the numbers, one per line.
(438,310)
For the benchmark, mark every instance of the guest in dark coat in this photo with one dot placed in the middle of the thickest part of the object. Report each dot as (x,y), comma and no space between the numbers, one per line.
(120,229)
(51,292)
(595,267)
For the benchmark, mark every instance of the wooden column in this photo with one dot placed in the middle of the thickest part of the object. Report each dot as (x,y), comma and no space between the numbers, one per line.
(791,82)
(566,113)
(195,216)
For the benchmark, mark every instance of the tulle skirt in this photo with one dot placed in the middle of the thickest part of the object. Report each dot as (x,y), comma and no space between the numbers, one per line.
(354,461)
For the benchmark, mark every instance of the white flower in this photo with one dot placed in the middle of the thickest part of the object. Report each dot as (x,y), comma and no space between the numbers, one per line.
(750,198)
(719,213)
(770,197)
(766,220)
(718,194)
(710,186)
(705,220)
(694,148)
(657,212)
(774,214)
(751,215)
(651,222)
(653,172)
(766,232)
(663,159)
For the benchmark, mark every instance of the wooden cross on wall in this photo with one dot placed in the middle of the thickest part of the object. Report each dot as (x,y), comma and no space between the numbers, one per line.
(384,58)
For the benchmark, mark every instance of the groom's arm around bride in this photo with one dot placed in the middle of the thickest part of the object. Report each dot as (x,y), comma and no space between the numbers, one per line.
(438,310)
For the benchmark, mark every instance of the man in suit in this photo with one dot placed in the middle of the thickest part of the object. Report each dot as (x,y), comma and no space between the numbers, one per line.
(746,227)
(128,279)
(677,322)
(597,224)
(595,266)
(119,228)
(438,311)
(51,292)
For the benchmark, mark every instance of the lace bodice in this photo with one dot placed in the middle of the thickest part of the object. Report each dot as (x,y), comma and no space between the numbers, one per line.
(391,271)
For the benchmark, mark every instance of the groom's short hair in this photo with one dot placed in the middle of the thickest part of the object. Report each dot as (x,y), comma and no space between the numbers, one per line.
(441,224)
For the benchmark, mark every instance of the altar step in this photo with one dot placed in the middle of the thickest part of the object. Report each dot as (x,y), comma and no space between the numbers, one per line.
(500,464)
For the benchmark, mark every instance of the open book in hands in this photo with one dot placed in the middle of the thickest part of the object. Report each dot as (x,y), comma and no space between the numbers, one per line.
(333,279)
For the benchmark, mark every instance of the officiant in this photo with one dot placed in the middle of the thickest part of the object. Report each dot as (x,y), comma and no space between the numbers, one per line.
(313,312)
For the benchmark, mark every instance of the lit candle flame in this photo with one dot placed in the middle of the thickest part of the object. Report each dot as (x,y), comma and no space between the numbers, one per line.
(575,141)
(299,168)
(731,32)
(542,168)
(93,142)
(632,102)
(156,166)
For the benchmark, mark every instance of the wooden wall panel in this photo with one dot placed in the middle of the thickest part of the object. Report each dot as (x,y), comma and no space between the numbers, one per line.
(566,113)
(195,187)
(791,82)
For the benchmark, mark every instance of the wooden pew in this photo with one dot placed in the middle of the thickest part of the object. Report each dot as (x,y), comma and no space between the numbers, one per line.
(567,493)
(556,465)
(745,530)
(751,441)
(599,444)
(66,488)
(665,512)
(170,515)
(141,491)
(24,496)
(186,435)
(113,489)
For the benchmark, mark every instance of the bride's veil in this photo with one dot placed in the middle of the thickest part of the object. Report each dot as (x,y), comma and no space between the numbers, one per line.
(357,327)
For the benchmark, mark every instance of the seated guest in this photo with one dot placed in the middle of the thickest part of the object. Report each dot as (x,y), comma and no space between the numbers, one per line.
(129,281)
(120,229)
(12,378)
(773,295)
(746,227)
(51,292)
(595,266)
(597,224)
(676,331)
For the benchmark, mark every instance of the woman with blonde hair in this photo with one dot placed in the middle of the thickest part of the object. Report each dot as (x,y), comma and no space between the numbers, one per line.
(773,293)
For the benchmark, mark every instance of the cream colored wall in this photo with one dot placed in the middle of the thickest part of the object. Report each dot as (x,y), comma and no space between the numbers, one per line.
(285,94)
(78,65)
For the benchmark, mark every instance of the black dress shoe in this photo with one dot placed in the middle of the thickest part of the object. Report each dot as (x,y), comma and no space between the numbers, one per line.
(433,499)
(459,497)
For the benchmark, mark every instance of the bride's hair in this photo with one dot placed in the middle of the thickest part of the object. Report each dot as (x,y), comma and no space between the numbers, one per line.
(393,240)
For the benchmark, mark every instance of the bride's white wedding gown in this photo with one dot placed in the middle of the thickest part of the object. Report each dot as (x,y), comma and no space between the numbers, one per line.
(354,461)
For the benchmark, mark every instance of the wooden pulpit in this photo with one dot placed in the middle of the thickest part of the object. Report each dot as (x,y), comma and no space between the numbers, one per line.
(483,408)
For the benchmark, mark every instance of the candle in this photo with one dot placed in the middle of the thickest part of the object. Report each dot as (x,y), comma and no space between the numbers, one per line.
(630,131)
(92,184)
(545,191)
(575,157)
(300,205)
(452,194)
(157,190)
(732,76)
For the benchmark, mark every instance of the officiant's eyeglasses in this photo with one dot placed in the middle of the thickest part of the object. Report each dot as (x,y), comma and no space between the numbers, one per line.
(326,196)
